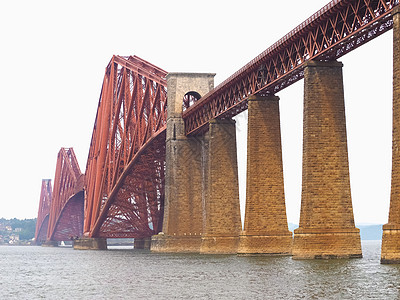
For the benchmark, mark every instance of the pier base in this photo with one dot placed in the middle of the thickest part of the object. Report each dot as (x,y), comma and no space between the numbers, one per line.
(219,244)
(391,231)
(90,244)
(279,244)
(326,244)
(390,244)
(143,243)
(175,244)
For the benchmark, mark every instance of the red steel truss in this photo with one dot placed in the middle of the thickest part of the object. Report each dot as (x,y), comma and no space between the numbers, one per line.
(42,221)
(336,29)
(66,210)
(125,169)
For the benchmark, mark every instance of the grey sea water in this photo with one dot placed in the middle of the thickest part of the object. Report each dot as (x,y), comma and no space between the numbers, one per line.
(64,273)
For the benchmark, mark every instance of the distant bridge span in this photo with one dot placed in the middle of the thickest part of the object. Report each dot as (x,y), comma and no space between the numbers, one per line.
(42,222)
(66,210)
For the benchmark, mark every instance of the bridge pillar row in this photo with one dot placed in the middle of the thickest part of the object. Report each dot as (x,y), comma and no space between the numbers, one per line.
(265,225)
(185,161)
(391,231)
(326,228)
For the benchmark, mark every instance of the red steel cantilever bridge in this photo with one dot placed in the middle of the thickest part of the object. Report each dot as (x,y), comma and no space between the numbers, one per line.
(60,214)
(124,179)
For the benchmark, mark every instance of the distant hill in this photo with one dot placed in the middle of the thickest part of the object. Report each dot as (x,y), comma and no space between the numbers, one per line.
(367,232)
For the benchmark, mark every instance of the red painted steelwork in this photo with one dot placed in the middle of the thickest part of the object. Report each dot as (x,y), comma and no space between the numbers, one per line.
(66,210)
(125,169)
(43,212)
(336,29)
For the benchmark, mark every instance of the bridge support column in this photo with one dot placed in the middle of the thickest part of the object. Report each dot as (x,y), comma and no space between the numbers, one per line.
(86,243)
(143,243)
(326,228)
(265,226)
(391,231)
(183,212)
(222,223)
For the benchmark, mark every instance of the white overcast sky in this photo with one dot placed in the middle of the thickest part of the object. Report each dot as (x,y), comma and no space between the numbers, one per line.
(54,53)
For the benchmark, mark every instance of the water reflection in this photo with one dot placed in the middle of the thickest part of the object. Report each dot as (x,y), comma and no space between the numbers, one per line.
(37,272)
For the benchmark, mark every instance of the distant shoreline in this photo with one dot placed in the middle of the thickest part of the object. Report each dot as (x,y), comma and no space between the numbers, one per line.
(368,232)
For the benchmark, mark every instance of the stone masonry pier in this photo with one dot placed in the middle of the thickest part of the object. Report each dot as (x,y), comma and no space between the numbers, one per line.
(391,231)
(185,163)
(326,228)
(265,225)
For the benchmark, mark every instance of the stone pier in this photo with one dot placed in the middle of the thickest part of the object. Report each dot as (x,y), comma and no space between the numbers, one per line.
(86,243)
(326,228)
(391,230)
(265,226)
(222,223)
(183,212)
(143,243)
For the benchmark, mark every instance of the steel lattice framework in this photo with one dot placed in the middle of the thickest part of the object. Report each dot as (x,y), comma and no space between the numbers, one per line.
(42,221)
(66,210)
(336,29)
(125,169)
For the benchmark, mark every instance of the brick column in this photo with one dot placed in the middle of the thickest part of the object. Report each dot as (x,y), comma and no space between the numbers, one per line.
(265,226)
(391,230)
(183,209)
(326,228)
(222,223)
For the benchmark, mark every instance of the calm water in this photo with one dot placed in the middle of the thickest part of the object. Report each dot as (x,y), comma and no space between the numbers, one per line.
(64,273)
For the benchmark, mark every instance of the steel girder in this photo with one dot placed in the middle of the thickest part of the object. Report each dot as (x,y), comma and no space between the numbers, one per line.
(66,210)
(42,220)
(338,28)
(124,187)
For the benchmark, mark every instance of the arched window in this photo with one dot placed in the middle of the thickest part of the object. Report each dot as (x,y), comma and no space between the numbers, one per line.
(189,99)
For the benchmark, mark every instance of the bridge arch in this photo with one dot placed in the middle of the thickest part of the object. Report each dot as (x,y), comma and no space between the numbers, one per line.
(66,211)
(70,220)
(42,221)
(42,231)
(189,99)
